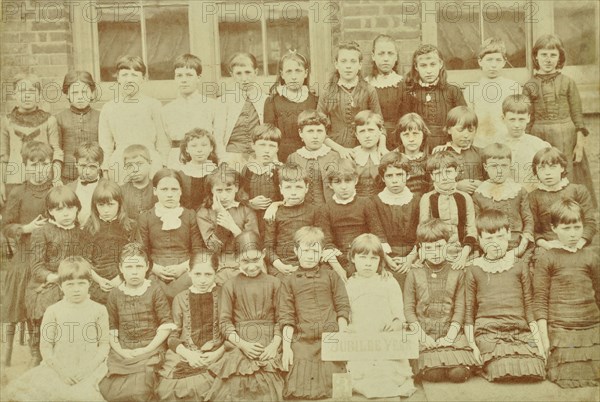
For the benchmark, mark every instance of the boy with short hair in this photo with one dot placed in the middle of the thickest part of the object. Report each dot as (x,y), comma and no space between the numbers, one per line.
(486,95)
(451,205)
(89,157)
(240,111)
(516,113)
(315,157)
(293,214)
(259,176)
(349,215)
(138,194)
(191,109)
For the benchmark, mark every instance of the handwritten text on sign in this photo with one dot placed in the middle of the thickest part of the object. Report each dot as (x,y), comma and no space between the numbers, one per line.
(344,346)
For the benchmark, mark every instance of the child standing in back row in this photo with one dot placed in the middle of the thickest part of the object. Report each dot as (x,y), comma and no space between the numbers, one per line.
(557,115)
(191,110)
(79,123)
(133,118)
(485,96)
(426,91)
(290,95)
(346,94)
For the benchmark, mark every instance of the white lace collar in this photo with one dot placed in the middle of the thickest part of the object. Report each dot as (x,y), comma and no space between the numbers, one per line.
(385,80)
(198,171)
(296,97)
(348,85)
(170,217)
(139,291)
(58,225)
(499,192)
(307,154)
(564,182)
(197,292)
(259,169)
(361,157)
(344,202)
(389,198)
(427,85)
(415,157)
(496,266)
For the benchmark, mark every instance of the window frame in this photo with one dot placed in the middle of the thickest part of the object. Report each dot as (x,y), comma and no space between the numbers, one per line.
(460,77)
(541,21)
(204,42)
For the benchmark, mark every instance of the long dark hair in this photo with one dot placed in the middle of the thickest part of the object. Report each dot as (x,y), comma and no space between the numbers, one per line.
(105,192)
(298,58)
(412,78)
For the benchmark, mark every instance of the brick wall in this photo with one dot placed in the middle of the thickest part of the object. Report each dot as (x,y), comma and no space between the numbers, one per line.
(363,20)
(36,38)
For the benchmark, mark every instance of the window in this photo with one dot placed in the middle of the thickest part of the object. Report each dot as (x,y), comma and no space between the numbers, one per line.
(576,24)
(458,29)
(156,30)
(267,30)
(159,30)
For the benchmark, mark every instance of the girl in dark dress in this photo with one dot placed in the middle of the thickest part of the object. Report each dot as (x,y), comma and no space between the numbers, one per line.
(289,96)
(139,318)
(426,91)
(313,300)
(79,123)
(556,111)
(22,215)
(197,341)
(499,320)
(566,288)
(385,79)
(169,234)
(60,237)
(109,229)
(412,133)
(197,155)
(249,320)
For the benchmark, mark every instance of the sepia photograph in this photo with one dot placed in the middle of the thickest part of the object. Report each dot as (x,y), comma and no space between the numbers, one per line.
(271,200)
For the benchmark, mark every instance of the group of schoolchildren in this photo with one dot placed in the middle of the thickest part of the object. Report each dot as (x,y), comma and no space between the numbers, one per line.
(168,252)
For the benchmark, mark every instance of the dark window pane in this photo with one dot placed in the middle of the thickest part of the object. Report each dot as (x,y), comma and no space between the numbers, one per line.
(237,34)
(119,34)
(507,22)
(167,36)
(458,34)
(287,29)
(576,24)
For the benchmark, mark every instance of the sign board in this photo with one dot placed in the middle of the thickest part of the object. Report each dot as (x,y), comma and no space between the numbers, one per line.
(344,346)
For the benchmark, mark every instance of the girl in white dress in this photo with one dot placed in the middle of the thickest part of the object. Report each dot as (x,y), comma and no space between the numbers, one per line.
(74,346)
(376,306)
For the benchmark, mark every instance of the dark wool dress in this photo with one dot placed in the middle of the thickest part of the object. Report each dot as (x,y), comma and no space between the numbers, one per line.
(566,288)
(311,301)
(25,202)
(435,303)
(556,116)
(499,305)
(249,307)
